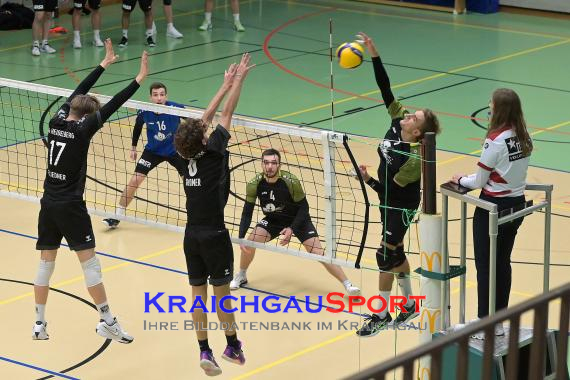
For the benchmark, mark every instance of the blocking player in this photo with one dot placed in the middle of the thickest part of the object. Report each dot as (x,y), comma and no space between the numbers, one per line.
(207,246)
(63,211)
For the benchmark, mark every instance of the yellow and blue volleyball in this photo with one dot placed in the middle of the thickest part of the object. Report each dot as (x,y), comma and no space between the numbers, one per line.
(350,55)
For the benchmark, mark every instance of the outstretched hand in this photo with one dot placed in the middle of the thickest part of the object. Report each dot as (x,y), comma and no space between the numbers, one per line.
(144,67)
(110,56)
(364,39)
(243,67)
(229,75)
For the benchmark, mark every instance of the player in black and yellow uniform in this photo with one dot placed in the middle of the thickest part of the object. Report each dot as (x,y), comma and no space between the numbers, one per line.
(207,245)
(398,188)
(286,210)
(63,212)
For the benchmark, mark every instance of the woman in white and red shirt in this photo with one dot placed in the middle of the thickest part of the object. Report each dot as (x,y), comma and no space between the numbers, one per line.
(501,175)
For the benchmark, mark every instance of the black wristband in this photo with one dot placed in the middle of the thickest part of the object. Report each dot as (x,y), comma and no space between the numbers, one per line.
(459,181)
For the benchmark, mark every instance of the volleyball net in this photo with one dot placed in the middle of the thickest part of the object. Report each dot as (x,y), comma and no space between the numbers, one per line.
(321,160)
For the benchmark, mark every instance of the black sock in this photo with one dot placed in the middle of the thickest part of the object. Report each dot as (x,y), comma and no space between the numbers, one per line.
(204,345)
(232,341)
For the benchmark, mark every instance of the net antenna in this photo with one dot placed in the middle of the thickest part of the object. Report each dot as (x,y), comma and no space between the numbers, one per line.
(321,160)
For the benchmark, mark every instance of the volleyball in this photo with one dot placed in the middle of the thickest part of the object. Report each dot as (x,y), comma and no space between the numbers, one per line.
(350,55)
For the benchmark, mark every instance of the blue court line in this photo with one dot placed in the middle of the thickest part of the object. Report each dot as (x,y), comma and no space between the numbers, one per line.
(102,254)
(38,368)
(182,272)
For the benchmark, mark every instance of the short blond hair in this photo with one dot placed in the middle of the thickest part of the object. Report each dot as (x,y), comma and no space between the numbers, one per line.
(82,105)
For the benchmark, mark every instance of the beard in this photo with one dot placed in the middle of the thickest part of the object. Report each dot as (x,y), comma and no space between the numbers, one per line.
(271,175)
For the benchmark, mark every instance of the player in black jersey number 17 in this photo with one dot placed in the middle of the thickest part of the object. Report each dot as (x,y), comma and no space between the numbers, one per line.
(63,211)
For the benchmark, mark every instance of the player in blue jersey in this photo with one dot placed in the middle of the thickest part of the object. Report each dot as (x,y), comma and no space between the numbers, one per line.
(160,130)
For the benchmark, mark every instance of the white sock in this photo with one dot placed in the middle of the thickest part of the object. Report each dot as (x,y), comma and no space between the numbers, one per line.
(386,296)
(148,32)
(76,34)
(96,34)
(126,33)
(243,272)
(45,42)
(40,312)
(170,25)
(405,285)
(36,43)
(347,284)
(208,17)
(105,313)
(236,17)
(120,211)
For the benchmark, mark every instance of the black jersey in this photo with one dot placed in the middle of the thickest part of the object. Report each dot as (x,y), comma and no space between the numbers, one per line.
(400,164)
(68,142)
(206,182)
(283,200)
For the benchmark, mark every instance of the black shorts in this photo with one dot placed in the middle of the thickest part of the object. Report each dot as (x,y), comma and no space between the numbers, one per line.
(209,254)
(67,219)
(149,161)
(93,4)
(129,5)
(394,224)
(44,5)
(274,227)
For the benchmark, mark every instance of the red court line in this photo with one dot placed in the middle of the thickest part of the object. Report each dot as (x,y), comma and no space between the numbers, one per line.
(273,60)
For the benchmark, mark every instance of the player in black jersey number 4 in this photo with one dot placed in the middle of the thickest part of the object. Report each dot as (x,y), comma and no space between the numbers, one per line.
(63,211)
(207,245)
(286,211)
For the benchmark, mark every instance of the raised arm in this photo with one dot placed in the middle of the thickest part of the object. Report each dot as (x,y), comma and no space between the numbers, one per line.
(96,120)
(380,73)
(222,92)
(231,102)
(90,80)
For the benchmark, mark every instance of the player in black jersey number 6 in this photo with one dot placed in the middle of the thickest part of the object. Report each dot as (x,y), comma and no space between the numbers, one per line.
(63,211)
(207,245)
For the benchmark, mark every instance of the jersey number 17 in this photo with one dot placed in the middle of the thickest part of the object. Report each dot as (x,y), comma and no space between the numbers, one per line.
(61,146)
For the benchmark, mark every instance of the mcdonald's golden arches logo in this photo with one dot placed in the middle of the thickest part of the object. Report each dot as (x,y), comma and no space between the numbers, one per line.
(430,260)
(424,373)
(432,318)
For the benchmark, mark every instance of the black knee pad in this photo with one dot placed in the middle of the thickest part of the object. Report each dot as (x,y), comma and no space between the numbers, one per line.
(387,258)
(400,256)
(166,2)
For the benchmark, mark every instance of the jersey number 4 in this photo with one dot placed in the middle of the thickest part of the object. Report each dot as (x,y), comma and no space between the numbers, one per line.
(61,146)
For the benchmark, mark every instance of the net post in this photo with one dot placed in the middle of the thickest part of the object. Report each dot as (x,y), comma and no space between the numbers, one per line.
(429,203)
(329,176)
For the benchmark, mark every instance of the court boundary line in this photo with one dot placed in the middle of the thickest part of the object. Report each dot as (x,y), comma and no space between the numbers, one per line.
(13,361)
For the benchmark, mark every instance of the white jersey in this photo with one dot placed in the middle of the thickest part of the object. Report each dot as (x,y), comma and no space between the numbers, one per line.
(502,166)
